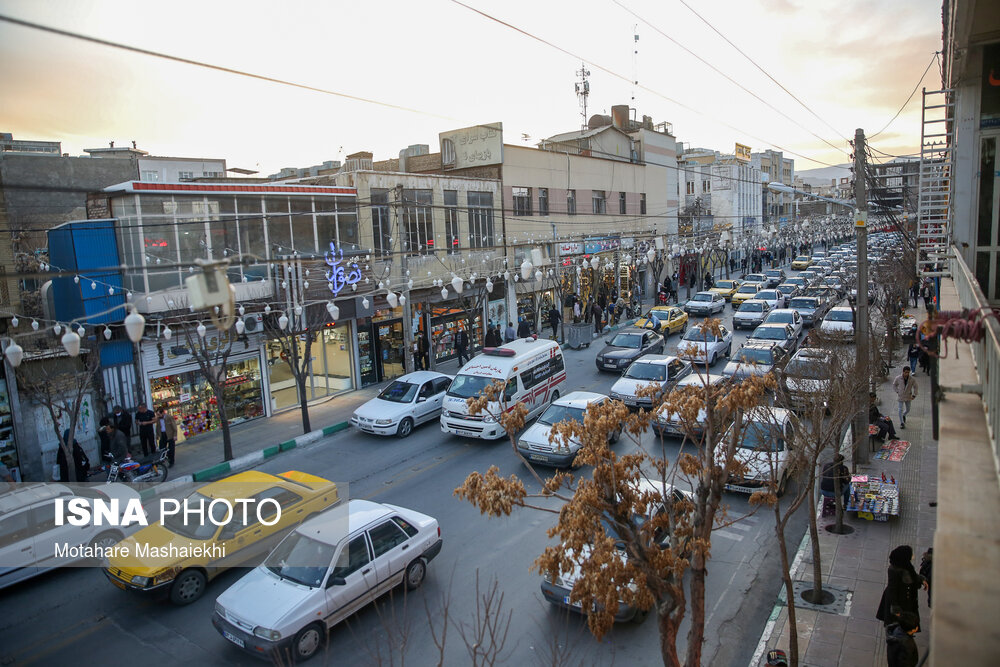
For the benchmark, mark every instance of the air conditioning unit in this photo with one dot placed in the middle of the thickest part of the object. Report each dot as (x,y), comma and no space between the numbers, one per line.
(253,321)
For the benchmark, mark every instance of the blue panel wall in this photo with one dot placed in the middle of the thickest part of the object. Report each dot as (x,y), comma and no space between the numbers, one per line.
(88,248)
(115,353)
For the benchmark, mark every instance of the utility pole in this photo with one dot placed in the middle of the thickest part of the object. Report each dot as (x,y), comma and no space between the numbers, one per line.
(861,305)
(408,360)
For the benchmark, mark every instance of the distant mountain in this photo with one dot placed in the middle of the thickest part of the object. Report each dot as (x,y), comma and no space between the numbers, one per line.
(823,175)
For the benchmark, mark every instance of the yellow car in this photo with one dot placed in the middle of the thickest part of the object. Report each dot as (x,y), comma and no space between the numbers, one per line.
(801,263)
(727,288)
(672,320)
(177,558)
(746,291)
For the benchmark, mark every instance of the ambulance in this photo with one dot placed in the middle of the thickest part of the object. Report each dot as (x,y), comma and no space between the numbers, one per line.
(534,374)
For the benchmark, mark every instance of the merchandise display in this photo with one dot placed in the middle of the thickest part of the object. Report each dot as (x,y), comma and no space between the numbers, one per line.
(894,450)
(873,498)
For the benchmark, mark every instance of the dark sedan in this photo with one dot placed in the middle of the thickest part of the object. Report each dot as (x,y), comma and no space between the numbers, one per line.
(626,346)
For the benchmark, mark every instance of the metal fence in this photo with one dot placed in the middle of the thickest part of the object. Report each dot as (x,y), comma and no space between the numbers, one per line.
(986,351)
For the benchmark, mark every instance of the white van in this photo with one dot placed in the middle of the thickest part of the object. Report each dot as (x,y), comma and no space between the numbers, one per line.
(535,375)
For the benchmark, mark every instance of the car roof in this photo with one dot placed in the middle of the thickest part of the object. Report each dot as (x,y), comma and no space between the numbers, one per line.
(770,271)
(813,354)
(422,376)
(633,330)
(336,523)
(754,301)
(579,399)
(244,484)
(29,494)
(708,292)
(698,380)
(657,359)
(760,344)
(752,285)
(769,289)
(771,325)
(842,308)
(783,311)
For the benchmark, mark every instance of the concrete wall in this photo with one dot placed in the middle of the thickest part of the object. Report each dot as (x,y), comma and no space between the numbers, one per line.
(168,170)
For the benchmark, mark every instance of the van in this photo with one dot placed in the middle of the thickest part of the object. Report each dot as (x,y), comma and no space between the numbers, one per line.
(533,371)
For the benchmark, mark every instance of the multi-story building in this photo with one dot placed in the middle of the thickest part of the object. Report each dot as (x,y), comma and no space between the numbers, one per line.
(778,207)
(10,145)
(721,192)
(164,169)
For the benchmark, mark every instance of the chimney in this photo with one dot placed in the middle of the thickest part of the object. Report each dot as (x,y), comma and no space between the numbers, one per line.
(619,116)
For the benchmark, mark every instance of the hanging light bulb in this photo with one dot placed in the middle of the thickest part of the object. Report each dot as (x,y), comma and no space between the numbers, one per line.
(76,279)
(489,285)
(267,309)
(364,302)
(34,324)
(402,300)
(298,309)
(240,326)
(242,311)
(167,333)
(71,341)
(128,296)
(409,283)
(149,299)
(81,331)
(354,286)
(14,321)
(456,284)
(331,308)
(57,329)
(202,330)
(516,278)
(538,276)
(381,285)
(444,292)
(392,299)
(305,284)
(134,325)
(526,269)
(14,353)
(282,321)
(506,276)
(93,285)
(651,254)
(111,291)
(107,333)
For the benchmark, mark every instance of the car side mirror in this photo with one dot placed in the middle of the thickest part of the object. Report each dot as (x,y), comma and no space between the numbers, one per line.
(421,399)
(607,341)
(336,581)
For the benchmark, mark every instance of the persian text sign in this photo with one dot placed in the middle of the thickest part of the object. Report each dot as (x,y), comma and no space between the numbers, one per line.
(742,153)
(475,146)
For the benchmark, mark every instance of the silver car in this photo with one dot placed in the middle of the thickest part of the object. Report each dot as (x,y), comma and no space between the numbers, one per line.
(753,358)
(659,370)
(705,303)
(534,443)
(750,314)
(699,346)
(781,334)
(786,316)
(410,400)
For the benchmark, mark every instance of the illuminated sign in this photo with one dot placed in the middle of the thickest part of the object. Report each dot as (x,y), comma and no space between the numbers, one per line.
(338,277)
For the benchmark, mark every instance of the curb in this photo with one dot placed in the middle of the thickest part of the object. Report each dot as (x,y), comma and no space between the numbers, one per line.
(244,462)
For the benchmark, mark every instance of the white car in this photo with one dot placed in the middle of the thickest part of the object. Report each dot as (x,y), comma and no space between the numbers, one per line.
(30,536)
(838,323)
(806,378)
(779,334)
(772,297)
(705,303)
(658,370)
(410,400)
(699,346)
(762,450)
(786,316)
(534,443)
(750,314)
(668,423)
(322,572)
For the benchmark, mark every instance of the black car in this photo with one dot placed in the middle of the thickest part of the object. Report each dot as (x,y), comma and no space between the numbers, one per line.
(626,346)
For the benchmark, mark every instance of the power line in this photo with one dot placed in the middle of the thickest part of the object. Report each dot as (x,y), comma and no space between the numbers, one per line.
(912,93)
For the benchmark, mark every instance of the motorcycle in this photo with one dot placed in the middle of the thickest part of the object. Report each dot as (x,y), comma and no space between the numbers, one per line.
(153,470)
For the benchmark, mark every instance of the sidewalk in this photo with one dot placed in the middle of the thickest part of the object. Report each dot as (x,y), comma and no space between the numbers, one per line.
(847,634)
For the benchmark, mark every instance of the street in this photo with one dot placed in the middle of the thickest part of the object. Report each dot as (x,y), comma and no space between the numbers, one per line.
(75,615)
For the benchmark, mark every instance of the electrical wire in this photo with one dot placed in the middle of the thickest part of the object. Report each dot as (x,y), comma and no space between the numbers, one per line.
(910,97)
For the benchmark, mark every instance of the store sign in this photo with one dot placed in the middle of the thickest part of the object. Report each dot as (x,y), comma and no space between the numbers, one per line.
(570,249)
(742,153)
(475,146)
(591,246)
(170,354)
(338,276)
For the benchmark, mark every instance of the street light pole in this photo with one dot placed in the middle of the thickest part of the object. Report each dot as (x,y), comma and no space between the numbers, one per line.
(861,306)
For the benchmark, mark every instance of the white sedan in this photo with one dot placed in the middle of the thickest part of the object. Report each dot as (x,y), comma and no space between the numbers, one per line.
(413,399)
(838,323)
(705,303)
(700,346)
(774,298)
(322,572)
(534,443)
(786,316)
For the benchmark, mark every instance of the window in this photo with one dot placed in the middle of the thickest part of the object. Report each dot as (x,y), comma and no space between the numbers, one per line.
(571,202)
(417,221)
(441,385)
(690,187)
(211,174)
(543,371)
(543,201)
(642,203)
(600,202)
(286,500)
(185,175)
(706,186)
(352,558)
(385,537)
(481,219)
(522,201)
(407,527)
(150,176)
(621,203)
(451,220)
(381,225)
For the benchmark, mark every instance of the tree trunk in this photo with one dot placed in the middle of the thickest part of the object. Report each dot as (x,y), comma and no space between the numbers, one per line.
(786,575)
(303,402)
(696,633)
(838,497)
(227,439)
(814,538)
(669,625)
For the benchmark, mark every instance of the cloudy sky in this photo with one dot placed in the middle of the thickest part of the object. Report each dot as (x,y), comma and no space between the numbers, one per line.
(853,63)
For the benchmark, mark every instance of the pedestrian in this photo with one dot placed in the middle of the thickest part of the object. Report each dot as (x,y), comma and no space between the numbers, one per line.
(926,570)
(611,313)
(598,313)
(167,431)
(81,464)
(913,356)
(554,319)
(461,344)
(492,337)
(914,292)
(117,445)
(900,648)
(905,386)
(523,328)
(828,481)
(620,304)
(144,419)
(708,280)
(510,333)
(884,424)
(927,292)
(122,421)
(104,438)
(424,351)
(900,594)
(576,310)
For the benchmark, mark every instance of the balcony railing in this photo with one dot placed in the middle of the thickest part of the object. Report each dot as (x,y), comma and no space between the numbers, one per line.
(986,351)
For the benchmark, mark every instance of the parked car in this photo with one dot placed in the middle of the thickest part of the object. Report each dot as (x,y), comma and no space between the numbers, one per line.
(670,423)
(700,345)
(534,443)
(183,577)
(664,320)
(705,303)
(662,371)
(838,323)
(754,358)
(852,295)
(29,536)
(409,401)
(805,379)
(727,288)
(811,308)
(322,573)
(626,346)
(801,263)
(782,334)
(775,277)
(746,291)
(762,450)
(750,314)
(772,297)
(787,316)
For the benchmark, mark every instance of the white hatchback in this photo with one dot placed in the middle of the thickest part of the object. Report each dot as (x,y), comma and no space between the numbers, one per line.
(410,400)
(321,573)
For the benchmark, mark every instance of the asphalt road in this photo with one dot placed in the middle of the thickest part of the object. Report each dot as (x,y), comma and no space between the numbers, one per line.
(75,616)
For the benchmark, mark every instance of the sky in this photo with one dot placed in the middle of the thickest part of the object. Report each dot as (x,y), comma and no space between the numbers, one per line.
(852,63)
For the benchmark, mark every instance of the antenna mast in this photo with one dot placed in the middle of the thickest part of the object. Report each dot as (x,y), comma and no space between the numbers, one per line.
(635,61)
(582,92)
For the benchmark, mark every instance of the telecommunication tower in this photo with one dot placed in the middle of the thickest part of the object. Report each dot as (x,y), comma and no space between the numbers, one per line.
(582,92)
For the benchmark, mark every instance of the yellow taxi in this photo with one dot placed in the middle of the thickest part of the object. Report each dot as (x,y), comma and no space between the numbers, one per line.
(671,320)
(801,263)
(177,557)
(727,288)
(745,291)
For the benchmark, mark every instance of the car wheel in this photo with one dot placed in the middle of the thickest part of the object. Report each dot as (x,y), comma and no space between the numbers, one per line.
(729,351)
(405,428)
(188,587)
(555,397)
(711,359)
(308,641)
(106,540)
(415,574)
(639,616)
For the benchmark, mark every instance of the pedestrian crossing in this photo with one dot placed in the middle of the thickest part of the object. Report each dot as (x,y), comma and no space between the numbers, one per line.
(737,531)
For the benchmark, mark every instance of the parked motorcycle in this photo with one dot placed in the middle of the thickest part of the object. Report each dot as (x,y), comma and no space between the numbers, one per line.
(153,470)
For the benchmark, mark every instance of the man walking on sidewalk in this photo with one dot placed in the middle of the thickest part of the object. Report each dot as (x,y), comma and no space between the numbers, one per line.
(905,386)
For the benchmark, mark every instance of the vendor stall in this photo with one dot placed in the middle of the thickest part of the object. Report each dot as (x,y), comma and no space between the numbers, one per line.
(873,498)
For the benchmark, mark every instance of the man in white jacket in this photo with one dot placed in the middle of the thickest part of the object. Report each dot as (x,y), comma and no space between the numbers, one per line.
(905,386)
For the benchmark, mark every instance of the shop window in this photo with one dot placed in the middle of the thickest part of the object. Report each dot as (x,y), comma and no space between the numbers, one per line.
(251,231)
(522,201)
(451,221)
(303,229)
(621,203)
(543,201)
(418,222)
(481,220)
(600,203)
(571,202)
(279,227)
(381,224)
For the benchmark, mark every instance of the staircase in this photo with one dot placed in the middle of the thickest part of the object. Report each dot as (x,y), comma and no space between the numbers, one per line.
(934,196)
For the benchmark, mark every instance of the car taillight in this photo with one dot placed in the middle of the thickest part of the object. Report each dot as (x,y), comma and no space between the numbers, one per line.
(439,531)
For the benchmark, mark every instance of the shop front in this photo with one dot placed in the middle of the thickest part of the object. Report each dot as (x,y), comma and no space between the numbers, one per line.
(176,383)
(8,442)
(330,369)
(445,323)
(380,346)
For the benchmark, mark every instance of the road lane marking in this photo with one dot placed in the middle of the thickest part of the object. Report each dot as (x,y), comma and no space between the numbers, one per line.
(727,535)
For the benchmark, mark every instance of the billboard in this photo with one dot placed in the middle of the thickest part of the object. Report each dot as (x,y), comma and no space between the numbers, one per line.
(742,153)
(475,146)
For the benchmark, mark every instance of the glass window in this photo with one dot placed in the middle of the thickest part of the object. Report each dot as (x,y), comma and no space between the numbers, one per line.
(571,202)
(543,201)
(381,224)
(621,203)
(451,220)
(278,226)
(303,229)
(645,371)
(385,537)
(399,392)
(642,203)
(599,201)
(407,527)
(418,222)
(302,559)
(522,201)
(352,558)
(481,220)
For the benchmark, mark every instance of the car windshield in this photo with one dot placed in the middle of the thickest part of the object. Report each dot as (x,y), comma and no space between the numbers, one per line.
(645,371)
(702,297)
(747,307)
(808,304)
(753,355)
(631,341)
(725,284)
(773,272)
(768,295)
(779,318)
(809,370)
(466,386)
(696,335)
(399,392)
(840,316)
(197,530)
(769,333)
(558,413)
(763,437)
(801,258)
(658,314)
(796,281)
(748,289)
(301,559)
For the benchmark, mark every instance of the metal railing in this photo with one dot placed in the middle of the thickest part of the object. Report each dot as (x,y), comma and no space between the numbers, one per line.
(986,351)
